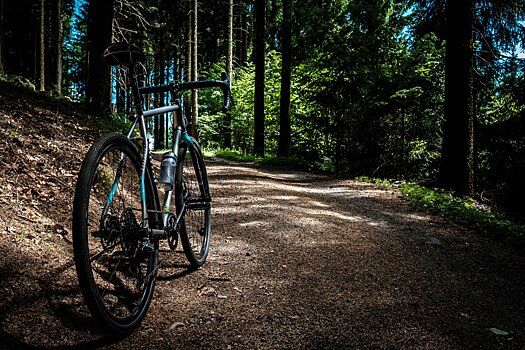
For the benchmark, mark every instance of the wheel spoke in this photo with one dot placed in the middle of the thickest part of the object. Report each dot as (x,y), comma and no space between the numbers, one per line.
(194,202)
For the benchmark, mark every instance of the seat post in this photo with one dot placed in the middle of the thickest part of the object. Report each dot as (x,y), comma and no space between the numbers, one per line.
(137,98)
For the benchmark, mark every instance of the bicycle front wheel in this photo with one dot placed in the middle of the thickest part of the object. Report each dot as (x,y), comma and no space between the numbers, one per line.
(116,266)
(192,196)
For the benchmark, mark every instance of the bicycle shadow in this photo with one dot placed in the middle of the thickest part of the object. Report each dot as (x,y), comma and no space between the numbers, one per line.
(173,266)
(45,310)
(39,306)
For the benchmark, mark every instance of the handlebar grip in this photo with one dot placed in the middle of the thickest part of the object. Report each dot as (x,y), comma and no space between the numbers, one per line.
(227,99)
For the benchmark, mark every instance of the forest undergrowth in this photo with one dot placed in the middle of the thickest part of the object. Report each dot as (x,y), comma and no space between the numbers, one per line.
(27,179)
(43,143)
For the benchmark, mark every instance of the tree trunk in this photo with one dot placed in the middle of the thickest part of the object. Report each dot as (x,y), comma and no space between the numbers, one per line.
(120,91)
(243,57)
(194,74)
(99,34)
(189,37)
(42,71)
(258,140)
(58,53)
(187,55)
(156,102)
(457,157)
(161,82)
(338,143)
(1,37)
(229,72)
(272,25)
(284,125)
(229,52)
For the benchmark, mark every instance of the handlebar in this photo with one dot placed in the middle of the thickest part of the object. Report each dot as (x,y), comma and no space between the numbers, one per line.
(223,84)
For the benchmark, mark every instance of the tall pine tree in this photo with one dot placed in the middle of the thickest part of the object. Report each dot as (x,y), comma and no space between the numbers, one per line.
(99,34)
(258,141)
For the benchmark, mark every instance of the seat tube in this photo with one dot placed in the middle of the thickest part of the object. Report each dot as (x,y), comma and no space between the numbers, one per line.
(169,194)
(145,153)
(139,118)
(177,134)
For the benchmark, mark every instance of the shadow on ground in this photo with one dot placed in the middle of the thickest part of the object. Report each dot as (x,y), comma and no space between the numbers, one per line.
(297,261)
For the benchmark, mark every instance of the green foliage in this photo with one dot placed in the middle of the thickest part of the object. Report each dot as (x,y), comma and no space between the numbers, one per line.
(18,81)
(462,211)
(360,104)
(367,83)
(501,107)
(113,123)
(294,163)
(236,156)
(211,119)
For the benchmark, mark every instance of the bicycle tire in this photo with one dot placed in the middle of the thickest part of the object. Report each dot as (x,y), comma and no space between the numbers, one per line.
(115,270)
(192,193)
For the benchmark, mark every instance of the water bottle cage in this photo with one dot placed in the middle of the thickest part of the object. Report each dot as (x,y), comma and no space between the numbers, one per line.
(167,169)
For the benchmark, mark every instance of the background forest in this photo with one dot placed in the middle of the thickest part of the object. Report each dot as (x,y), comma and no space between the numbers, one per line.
(424,90)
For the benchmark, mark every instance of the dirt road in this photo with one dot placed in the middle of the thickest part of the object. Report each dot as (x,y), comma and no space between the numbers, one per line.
(297,261)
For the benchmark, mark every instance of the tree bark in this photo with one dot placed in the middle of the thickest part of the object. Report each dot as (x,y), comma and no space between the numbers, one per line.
(286,68)
(272,25)
(161,82)
(258,140)
(58,53)
(99,34)
(229,52)
(457,157)
(156,102)
(189,37)
(194,74)
(42,69)
(120,91)
(1,37)
(229,71)
(243,57)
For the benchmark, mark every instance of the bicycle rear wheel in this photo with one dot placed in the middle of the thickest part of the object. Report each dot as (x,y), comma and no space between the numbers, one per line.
(116,269)
(192,195)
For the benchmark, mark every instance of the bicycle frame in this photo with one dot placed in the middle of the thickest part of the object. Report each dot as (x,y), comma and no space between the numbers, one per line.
(117,258)
(179,134)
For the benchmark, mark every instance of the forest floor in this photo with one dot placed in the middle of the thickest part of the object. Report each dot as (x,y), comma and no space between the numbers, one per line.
(297,260)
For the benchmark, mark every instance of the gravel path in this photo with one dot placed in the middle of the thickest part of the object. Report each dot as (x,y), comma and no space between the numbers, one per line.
(297,261)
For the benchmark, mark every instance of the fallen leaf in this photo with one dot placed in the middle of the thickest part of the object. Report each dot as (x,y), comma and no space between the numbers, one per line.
(499,332)
(175,325)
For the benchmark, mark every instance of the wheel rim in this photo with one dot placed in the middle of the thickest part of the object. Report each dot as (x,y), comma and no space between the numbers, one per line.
(196,220)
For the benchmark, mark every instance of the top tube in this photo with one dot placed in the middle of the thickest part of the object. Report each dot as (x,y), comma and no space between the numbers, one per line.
(178,87)
(160,110)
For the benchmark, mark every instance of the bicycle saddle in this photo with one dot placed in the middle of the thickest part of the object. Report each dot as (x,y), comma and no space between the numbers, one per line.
(123,53)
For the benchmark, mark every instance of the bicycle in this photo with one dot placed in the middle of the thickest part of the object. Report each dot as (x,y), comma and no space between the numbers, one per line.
(118,220)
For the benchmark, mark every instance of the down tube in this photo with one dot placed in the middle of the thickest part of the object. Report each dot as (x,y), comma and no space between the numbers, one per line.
(168,195)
